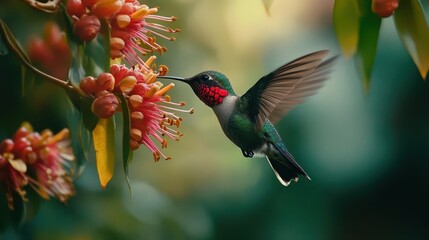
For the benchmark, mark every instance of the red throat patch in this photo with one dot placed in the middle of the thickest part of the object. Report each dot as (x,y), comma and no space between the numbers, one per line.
(212,95)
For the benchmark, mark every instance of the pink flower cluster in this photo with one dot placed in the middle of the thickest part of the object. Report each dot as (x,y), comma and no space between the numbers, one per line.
(130,32)
(152,112)
(41,161)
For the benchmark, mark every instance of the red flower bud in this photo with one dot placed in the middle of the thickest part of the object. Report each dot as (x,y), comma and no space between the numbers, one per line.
(105,106)
(88,3)
(20,133)
(6,146)
(106,8)
(105,81)
(75,8)
(87,27)
(87,85)
(127,8)
(384,8)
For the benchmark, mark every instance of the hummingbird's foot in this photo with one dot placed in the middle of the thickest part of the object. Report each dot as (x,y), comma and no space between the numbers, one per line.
(248,154)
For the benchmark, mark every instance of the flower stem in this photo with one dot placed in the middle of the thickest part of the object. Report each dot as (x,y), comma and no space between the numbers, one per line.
(14,47)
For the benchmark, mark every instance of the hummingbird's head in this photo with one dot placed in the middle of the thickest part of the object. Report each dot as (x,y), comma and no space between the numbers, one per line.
(211,87)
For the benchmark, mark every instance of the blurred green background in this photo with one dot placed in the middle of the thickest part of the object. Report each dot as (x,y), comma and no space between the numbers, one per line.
(366,152)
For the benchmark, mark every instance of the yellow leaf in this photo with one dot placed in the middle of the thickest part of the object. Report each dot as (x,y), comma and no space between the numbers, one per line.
(346,24)
(104,146)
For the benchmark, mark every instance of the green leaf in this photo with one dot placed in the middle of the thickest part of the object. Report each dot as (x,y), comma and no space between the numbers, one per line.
(267,5)
(97,52)
(346,25)
(126,151)
(77,50)
(89,119)
(104,145)
(414,33)
(105,43)
(80,141)
(368,37)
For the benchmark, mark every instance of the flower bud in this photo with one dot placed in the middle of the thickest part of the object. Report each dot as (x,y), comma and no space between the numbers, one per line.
(137,117)
(136,134)
(75,8)
(127,8)
(22,132)
(106,8)
(87,27)
(127,84)
(105,81)
(87,85)
(136,100)
(39,52)
(105,106)
(114,53)
(134,145)
(6,146)
(116,43)
(88,3)
(115,69)
(384,8)
(123,20)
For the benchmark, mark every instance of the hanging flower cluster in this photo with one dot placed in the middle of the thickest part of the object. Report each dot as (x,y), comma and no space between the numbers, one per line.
(152,113)
(51,51)
(130,30)
(41,161)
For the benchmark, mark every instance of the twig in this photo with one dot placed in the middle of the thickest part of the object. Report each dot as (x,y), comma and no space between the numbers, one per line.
(14,47)
(51,6)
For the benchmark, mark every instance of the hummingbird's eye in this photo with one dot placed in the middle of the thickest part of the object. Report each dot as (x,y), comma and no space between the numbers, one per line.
(205,77)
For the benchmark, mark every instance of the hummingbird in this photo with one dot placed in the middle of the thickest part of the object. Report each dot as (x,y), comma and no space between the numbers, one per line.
(248,120)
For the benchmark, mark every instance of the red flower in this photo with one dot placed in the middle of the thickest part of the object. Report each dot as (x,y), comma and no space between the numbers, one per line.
(131,32)
(153,115)
(39,160)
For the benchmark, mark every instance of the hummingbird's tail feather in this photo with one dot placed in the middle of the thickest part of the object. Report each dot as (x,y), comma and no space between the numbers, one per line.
(285,173)
(284,165)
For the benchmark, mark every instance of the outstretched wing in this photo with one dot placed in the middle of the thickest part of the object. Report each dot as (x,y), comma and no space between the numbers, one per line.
(279,91)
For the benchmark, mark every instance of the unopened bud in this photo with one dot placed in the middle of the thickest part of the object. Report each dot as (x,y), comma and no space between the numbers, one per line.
(123,20)
(87,27)
(136,116)
(75,8)
(87,85)
(105,106)
(6,146)
(115,53)
(136,134)
(106,8)
(88,3)
(116,43)
(105,81)
(136,100)
(134,144)
(22,132)
(127,8)
(384,8)
(127,84)
(114,69)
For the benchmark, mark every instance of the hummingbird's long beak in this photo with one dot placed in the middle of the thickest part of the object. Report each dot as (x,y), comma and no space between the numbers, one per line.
(174,78)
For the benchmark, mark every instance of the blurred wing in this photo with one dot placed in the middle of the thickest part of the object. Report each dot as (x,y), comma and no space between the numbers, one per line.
(276,93)
(307,87)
